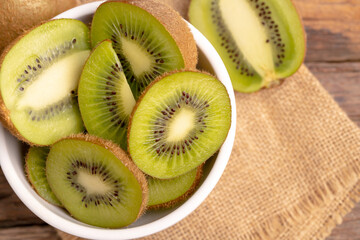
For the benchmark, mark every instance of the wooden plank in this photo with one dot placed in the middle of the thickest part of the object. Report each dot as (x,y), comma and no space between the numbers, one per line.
(343,10)
(333,29)
(29,233)
(12,211)
(333,55)
(350,228)
(342,81)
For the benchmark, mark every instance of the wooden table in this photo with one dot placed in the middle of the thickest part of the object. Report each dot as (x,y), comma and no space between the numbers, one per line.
(333,55)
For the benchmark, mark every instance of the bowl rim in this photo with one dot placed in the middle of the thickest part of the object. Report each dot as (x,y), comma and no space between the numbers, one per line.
(87,231)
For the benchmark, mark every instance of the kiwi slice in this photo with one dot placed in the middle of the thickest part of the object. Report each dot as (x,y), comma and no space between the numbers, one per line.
(38,81)
(105,98)
(259,41)
(179,121)
(96,181)
(149,37)
(166,193)
(35,171)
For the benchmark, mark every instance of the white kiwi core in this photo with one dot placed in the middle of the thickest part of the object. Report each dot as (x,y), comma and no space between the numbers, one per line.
(251,36)
(139,59)
(55,83)
(181,125)
(126,98)
(92,183)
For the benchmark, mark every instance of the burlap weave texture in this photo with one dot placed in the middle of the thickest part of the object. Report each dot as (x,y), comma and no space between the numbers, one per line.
(293,173)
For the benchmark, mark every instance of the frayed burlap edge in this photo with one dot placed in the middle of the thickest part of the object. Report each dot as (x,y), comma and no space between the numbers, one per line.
(318,199)
(342,190)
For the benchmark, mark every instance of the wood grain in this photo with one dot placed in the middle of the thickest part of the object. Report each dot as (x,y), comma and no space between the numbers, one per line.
(350,228)
(12,211)
(44,232)
(333,55)
(333,29)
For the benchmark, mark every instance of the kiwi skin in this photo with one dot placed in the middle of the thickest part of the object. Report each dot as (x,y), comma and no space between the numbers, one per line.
(125,159)
(4,112)
(183,197)
(16,16)
(174,24)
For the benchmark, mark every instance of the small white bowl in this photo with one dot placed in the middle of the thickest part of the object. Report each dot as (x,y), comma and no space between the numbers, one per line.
(12,162)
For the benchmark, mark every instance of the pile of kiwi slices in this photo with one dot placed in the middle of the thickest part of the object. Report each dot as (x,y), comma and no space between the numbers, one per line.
(118,118)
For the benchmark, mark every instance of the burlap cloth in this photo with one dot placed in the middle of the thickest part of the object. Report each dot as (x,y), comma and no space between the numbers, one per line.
(293,174)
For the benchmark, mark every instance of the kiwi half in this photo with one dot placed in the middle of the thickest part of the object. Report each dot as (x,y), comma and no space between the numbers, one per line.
(259,41)
(105,98)
(35,171)
(38,81)
(180,120)
(149,37)
(166,193)
(96,181)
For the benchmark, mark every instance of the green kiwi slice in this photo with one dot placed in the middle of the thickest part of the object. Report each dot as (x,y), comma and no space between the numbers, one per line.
(35,171)
(166,193)
(150,38)
(96,181)
(179,121)
(260,42)
(38,81)
(105,98)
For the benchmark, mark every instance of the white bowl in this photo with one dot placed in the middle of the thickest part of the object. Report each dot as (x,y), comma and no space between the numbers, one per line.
(12,163)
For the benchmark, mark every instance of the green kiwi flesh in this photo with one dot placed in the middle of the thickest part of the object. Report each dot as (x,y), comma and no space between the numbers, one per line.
(105,98)
(259,41)
(35,171)
(38,81)
(145,48)
(96,181)
(180,120)
(166,193)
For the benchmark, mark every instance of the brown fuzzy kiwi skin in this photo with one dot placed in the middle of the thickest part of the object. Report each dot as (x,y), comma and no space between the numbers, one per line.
(4,112)
(186,195)
(154,82)
(174,24)
(17,16)
(181,7)
(123,157)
